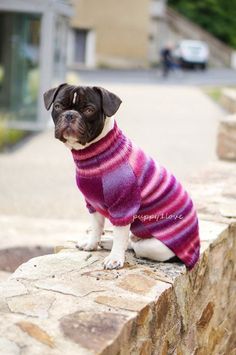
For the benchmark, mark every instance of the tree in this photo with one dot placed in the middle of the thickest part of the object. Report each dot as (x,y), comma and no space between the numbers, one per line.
(216,16)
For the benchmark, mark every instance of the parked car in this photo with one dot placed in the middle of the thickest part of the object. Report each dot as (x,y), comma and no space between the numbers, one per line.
(191,53)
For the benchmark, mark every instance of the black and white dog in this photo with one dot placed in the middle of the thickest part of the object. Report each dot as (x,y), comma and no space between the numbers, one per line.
(121,183)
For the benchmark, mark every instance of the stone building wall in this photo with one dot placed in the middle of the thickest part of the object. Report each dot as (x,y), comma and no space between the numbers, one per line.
(120,27)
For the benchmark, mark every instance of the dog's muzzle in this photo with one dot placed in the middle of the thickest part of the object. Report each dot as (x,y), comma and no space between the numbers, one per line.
(71,125)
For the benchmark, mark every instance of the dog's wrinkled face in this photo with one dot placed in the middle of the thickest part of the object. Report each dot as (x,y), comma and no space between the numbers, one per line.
(79,112)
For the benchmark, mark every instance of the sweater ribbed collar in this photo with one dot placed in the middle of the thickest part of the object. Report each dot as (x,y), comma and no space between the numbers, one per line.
(100,146)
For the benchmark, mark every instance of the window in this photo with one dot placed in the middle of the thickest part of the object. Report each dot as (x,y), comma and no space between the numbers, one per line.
(80,46)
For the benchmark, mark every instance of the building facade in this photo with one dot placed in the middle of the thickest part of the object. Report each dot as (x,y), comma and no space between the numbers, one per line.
(157,30)
(109,33)
(33,37)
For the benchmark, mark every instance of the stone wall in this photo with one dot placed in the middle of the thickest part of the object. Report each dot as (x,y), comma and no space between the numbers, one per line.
(226,138)
(228,99)
(65,303)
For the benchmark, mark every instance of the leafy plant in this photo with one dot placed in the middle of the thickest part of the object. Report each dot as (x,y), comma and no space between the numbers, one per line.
(216,16)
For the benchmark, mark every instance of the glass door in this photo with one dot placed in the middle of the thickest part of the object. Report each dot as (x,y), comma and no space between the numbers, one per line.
(19,65)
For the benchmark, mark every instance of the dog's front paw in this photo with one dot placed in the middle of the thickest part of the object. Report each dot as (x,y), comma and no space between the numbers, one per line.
(114,261)
(87,245)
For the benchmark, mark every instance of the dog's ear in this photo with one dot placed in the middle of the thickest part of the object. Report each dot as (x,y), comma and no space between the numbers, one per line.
(110,101)
(50,95)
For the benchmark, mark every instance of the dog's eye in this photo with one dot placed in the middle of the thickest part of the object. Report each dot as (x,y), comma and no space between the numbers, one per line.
(88,110)
(57,106)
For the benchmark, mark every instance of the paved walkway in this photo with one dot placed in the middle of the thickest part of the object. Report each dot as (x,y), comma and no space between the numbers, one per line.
(176,125)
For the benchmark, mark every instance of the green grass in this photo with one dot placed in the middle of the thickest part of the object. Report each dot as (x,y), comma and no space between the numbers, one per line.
(214,93)
(9,136)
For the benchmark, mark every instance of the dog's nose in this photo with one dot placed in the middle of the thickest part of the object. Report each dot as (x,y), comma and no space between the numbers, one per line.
(69,116)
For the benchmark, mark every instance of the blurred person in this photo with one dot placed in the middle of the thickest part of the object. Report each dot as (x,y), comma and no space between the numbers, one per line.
(167,62)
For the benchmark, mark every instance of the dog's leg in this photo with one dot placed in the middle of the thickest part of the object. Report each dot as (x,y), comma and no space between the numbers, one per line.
(107,242)
(116,258)
(94,235)
(151,248)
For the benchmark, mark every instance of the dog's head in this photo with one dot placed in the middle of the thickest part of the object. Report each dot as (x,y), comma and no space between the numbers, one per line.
(79,112)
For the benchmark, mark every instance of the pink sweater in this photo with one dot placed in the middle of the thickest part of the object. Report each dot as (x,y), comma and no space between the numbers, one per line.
(125,185)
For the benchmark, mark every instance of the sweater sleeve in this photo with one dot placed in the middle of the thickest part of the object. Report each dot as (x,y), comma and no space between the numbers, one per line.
(122,195)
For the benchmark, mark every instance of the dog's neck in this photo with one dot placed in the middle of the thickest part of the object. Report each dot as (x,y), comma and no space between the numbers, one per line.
(71,142)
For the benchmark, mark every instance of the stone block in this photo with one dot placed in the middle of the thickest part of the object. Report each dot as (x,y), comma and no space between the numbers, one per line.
(12,288)
(206,316)
(32,305)
(137,283)
(146,348)
(228,99)
(94,331)
(37,333)
(226,140)
(49,265)
(121,302)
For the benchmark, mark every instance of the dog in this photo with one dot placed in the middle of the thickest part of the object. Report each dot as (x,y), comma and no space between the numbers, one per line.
(121,183)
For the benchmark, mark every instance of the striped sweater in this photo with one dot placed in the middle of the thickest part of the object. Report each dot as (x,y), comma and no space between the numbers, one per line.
(125,185)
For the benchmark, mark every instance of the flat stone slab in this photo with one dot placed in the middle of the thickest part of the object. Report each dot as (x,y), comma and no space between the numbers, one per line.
(52,264)
(12,288)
